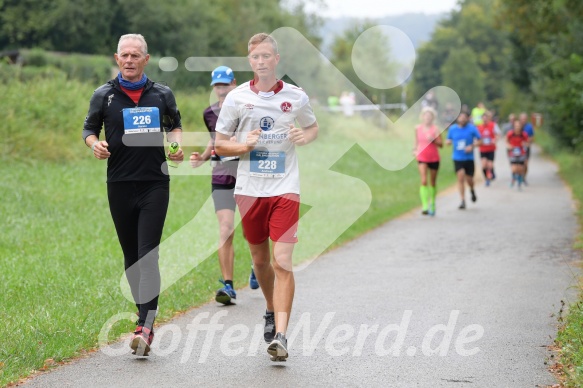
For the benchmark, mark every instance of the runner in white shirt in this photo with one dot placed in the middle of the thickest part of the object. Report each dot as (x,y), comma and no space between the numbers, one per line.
(262,115)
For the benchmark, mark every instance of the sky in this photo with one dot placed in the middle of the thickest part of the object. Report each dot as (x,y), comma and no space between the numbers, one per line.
(380,8)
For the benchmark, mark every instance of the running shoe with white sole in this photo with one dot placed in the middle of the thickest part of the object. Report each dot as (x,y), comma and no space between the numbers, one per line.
(277,349)
(141,341)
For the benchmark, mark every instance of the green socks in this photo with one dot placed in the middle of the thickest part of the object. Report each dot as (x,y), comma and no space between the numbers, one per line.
(432,194)
(423,193)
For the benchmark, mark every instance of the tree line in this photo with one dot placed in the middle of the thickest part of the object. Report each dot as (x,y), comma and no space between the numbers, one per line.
(175,28)
(178,28)
(513,55)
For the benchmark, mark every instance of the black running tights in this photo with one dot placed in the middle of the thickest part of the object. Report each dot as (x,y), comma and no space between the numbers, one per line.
(139,210)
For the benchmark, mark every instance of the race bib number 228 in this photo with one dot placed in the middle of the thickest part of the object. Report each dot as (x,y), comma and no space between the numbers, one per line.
(267,164)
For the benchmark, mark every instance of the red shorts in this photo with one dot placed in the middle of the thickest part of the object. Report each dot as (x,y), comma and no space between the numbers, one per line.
(270,217)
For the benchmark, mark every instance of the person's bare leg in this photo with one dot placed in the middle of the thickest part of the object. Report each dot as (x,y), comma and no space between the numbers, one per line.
(422,167)
(264,270)
(514,173)
(521,171)
(226,252)
(461,174)
(283,293)
(433,177)
(470,181)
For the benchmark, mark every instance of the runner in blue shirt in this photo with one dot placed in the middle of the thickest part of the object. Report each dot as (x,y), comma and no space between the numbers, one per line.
(529,130)
(464,137)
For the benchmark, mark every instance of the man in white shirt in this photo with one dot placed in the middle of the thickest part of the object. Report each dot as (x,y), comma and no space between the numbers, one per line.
(261,114)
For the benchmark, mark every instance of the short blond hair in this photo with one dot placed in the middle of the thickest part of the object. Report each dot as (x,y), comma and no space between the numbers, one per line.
(260,38)
(139,37)
(428,109)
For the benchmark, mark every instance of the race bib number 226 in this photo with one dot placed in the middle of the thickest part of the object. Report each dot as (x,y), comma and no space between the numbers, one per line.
(140,120)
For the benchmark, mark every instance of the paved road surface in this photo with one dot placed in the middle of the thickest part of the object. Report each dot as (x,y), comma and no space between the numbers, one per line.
(465,299)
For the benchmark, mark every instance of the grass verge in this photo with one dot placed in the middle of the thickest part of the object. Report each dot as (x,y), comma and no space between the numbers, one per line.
(570,337)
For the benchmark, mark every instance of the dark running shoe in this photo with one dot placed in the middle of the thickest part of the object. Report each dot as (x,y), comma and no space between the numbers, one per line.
(225,294)
(474,198)
(141,341)
(277,349)
(269,331)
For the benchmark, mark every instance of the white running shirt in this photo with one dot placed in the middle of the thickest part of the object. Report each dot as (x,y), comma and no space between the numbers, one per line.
(271,169)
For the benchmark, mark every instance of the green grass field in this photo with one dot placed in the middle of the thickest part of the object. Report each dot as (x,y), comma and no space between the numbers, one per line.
(570,337)
(61,261)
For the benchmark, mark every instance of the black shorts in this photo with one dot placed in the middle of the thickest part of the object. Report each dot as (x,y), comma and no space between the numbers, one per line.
(519,159)
(224,197)
(487,155)
(466,165)
(430,165)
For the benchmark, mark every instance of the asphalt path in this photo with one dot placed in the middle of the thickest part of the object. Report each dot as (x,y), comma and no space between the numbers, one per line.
(468,298)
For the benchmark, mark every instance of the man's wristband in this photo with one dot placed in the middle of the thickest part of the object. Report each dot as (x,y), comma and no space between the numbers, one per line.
(93,145)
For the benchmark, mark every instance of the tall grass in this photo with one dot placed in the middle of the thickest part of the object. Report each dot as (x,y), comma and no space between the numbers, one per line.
(43,118)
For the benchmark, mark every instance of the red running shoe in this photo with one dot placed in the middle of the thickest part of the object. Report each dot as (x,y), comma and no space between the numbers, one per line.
(141,341)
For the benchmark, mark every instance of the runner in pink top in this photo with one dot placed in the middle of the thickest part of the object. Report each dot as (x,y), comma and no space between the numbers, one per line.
(427,139)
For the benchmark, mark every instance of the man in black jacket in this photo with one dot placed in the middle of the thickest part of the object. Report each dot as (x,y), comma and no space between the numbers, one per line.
(135,112)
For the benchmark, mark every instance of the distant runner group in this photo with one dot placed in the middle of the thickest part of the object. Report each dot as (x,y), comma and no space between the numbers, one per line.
(470,131)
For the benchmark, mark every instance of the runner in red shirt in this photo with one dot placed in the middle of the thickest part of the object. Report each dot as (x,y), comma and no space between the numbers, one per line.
(488,131)
(516,143)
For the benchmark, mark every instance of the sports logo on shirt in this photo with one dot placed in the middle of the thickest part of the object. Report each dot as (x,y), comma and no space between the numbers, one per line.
(286,107)
(266,123)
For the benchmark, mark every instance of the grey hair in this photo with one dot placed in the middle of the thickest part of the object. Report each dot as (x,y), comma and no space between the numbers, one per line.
(137,37)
